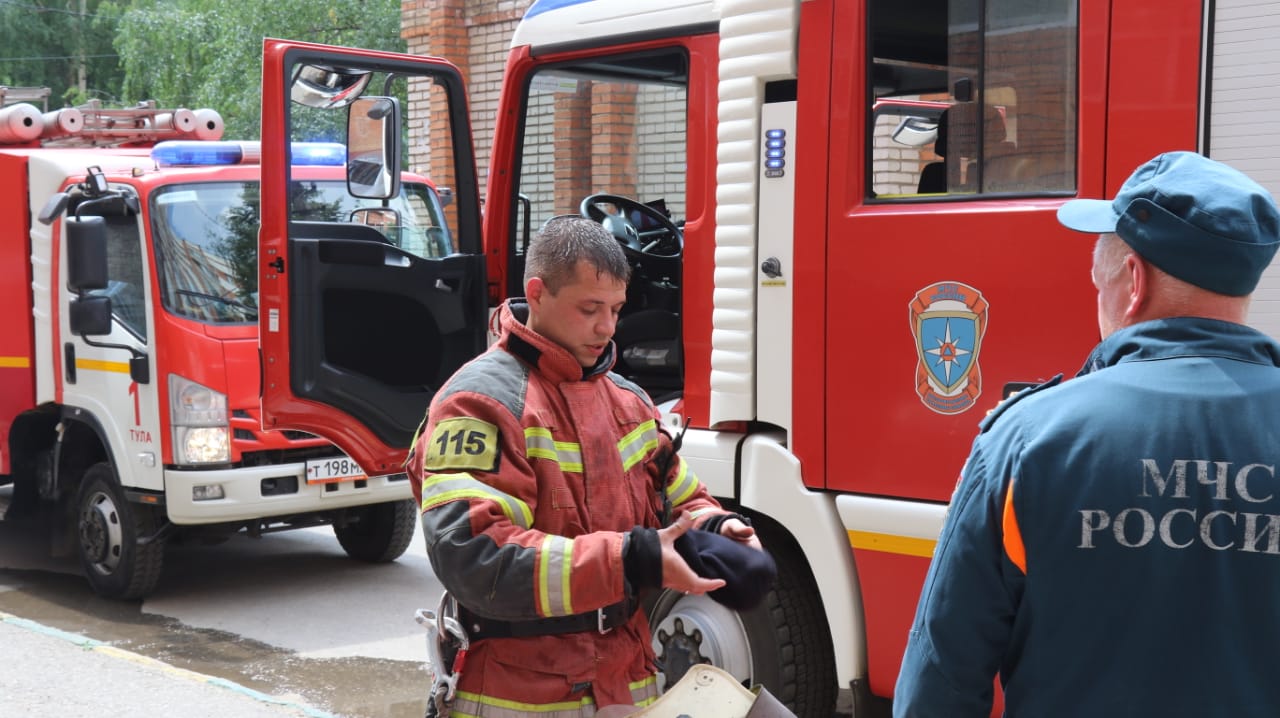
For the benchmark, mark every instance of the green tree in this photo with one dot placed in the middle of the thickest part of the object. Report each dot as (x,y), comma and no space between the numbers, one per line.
(64,45)
(193,53)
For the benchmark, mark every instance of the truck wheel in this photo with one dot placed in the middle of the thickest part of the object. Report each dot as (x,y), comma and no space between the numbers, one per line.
(783,643)
(108,528)
(378,533)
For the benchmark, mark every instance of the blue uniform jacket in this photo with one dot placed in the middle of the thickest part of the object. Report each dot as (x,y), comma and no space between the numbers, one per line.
(1113,546)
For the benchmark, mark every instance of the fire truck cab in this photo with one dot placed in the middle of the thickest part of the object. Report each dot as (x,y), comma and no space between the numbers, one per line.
(841,216)
(129,411)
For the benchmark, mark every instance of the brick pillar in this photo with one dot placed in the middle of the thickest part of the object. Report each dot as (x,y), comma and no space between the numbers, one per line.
(572,148)
(613,139)
(434,27)
(475,36)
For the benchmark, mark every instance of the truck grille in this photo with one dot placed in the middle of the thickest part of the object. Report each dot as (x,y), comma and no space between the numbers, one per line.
(257,447)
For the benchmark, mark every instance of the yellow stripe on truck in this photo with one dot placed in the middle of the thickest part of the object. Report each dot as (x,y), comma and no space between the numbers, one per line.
(15,362)
(118,367)
(889,543)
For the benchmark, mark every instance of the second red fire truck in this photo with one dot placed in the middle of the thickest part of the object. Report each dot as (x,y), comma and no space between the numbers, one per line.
(129,371)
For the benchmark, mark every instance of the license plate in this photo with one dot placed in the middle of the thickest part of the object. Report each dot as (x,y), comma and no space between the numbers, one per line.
(338,468)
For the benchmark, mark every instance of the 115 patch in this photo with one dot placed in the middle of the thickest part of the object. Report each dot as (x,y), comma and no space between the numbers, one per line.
(463,443)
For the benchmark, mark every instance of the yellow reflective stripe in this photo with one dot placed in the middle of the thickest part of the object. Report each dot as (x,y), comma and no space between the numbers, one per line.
(15,362)
(890,543)
(118,367)
(644,692)
(440,489)
(566,569)
(553,576)
(470,704)
(638,443)
(683,485)
(539,445)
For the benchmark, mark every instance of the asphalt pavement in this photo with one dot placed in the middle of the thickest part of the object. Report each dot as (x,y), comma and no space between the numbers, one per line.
(51,673)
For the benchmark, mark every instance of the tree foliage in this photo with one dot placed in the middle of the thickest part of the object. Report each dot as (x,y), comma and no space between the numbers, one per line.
(64,45)
(193,53)
(180,53)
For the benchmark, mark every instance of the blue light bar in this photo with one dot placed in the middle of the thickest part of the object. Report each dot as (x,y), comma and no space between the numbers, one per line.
(186,153)
(329,154)
(194,152)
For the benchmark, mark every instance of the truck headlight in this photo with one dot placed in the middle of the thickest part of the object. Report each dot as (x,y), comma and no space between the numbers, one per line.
(201,432)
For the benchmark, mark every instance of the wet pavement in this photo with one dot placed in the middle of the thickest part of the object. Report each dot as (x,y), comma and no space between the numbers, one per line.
(285,615)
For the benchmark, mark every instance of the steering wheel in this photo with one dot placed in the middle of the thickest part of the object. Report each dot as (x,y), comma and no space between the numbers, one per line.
(663,240)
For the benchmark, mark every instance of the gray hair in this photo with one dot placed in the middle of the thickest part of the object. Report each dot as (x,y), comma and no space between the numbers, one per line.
(563,241)
(1109,254)
(1181,296)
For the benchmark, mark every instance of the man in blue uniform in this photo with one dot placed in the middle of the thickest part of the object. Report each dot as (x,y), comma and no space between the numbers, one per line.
(1113,546)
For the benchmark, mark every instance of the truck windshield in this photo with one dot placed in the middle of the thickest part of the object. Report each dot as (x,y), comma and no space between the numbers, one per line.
(206,238)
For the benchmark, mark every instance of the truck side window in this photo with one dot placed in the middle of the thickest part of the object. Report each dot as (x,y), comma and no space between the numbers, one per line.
(979,99)
(586,132)
(125,283)
(617,125)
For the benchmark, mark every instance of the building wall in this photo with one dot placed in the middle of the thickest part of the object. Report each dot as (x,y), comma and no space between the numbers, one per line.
(475,36)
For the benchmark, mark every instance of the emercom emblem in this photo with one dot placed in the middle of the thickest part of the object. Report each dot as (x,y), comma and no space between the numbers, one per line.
(948,321)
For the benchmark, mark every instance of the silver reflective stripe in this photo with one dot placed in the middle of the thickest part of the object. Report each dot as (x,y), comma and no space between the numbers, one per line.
(638,443)
(645,692)
(440,489)
(472,705)
(539,445)
(554,594)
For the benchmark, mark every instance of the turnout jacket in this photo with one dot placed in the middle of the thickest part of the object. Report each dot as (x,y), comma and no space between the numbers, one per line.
(1113,546)
(532,473)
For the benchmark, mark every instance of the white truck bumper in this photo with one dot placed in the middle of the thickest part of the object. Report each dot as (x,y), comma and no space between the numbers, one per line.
(264,491)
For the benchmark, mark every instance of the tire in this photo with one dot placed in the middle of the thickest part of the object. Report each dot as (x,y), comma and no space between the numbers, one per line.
(783,644)
(107,531)
(378,533)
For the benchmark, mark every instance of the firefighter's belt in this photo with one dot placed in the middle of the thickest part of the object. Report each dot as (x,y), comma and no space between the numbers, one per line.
(602,621)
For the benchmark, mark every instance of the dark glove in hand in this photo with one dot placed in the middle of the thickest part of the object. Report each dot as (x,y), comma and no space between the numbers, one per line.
(748,573)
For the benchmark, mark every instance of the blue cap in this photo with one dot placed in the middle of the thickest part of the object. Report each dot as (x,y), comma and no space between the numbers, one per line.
(1195,218)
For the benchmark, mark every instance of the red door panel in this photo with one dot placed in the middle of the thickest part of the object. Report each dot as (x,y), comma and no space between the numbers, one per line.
(357,331)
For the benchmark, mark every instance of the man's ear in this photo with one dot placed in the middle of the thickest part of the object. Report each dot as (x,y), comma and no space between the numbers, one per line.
(534,290)
(1138,272)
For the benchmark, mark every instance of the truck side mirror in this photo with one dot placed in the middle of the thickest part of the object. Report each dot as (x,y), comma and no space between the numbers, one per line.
(90,315)
(373,147)
(326,87)
(87,253)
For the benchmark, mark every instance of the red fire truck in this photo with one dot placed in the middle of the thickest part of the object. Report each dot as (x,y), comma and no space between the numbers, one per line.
(129,353)
(841,218)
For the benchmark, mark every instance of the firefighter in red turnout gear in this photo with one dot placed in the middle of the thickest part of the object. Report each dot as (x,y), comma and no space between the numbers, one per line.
(542,482)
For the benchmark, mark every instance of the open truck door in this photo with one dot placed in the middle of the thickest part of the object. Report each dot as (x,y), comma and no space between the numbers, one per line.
(360,326)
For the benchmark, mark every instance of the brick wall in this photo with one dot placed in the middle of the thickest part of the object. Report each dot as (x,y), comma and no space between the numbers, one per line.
(475,36)
(583,137)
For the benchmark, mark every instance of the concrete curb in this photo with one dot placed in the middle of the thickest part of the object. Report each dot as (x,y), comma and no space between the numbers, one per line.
(159,666)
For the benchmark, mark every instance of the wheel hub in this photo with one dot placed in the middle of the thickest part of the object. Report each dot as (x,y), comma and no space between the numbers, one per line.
(699,630)
(101,537)
(680,650)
